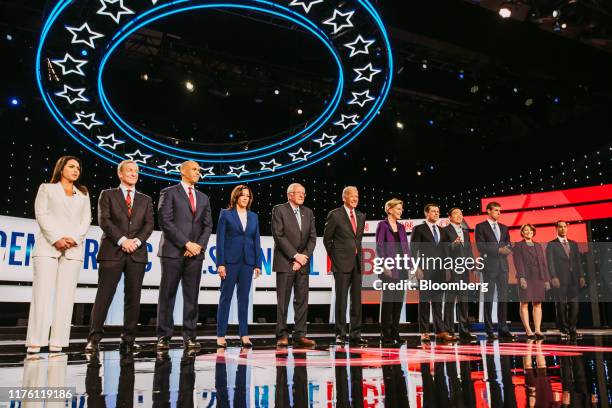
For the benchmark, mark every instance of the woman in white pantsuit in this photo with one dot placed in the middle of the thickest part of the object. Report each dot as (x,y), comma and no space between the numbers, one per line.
(63,213)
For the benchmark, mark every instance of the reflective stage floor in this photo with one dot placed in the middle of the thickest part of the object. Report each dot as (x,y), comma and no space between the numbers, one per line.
(551,373)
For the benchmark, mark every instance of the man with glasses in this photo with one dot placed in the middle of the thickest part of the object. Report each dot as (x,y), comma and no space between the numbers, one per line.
(295,237)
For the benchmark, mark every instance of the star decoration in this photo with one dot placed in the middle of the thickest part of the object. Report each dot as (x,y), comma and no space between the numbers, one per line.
(112,143)
(169,167)
(116,16)
(306,4)
(359,46)
(207,171)
(326,140)
(237,171)
(269,165)
(346,17)
(300,155)
(88,38)
(366,73)
(343,122)
(361,98)
(72,95)
(138,157)
(89,122)
(154,1)
(74,65)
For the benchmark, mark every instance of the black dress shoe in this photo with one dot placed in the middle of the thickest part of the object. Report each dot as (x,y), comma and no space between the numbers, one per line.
(129,347)
(358,341)
(491,336)
(163,343)
(390,342)
(507,335)
(340,340)
(573,334)
(92,346)
(192,344)
(467,337)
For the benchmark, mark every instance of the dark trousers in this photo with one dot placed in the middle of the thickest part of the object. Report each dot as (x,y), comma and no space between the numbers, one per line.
(567,314)
(285,282)
(188,272)
(349,394)
(221,386)
(461,310)
(499,281)
(241,276)
(344,283)
(299,389)
(390,310)
(109,275)
(427,297)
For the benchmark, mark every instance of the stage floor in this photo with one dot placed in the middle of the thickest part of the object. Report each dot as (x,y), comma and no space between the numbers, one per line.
(482,374)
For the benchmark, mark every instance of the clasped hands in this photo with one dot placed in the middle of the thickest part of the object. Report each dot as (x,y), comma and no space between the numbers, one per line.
(129,245)
(192,249)
(64,243)
(299,260)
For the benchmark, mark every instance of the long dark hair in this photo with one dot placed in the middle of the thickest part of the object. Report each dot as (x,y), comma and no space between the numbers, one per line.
(56,177)
(236,193)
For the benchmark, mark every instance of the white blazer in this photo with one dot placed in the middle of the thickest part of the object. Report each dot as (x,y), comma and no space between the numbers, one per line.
(60,216)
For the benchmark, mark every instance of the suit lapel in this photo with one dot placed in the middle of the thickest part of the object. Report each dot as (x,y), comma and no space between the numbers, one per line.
(60,190)
(117,195)
(292,216)
(183,194)
(236,219)
(348,219)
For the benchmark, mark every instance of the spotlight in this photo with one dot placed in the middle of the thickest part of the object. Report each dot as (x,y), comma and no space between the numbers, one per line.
(276,92)
(515,90)
(563,26)
(461,75)
(529,102)
(9,37)
(556,100)
(505,11)
(145,77)
(365,169)
(419,173)
(231,135)
(399,125)
(84,53)
(555,13)
(14,102)
(424,65)
(474,89)
(189,86)
(299,111)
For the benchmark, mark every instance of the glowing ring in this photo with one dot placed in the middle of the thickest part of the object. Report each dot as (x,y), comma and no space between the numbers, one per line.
(71,84)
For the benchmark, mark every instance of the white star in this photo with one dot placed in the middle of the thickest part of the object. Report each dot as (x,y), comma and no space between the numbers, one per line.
(89,123)
(300,155)
(137,156)
(326,140)
(366,73)
(342,122)
(154,1)
(360,98)
(112,144)
(241,170)
(359,46)
(347,20)
(269,165)
(72,95)
(305,4)
(169,167)
(76,65)
(117,15)
(78,32)
(207,171)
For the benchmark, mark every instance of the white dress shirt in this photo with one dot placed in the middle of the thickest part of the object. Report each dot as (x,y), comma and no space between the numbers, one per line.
(124,190)
(431,226)
(459,231)
(243,219)
(186,187)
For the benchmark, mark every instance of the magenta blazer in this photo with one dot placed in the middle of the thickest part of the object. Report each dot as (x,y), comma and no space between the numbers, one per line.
(519,254)
(385,241)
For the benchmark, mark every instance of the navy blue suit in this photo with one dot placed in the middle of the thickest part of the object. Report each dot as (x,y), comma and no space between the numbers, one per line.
(239,250)
(180,225)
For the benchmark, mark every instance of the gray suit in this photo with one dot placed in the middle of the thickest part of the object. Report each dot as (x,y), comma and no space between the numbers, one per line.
(289,240)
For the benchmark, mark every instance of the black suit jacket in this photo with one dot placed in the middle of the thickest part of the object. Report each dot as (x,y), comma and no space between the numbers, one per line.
(114,221)
(289,239)
(422,243)
(489,247)
(179,225)
(340,241)
(456,250)
(567,270)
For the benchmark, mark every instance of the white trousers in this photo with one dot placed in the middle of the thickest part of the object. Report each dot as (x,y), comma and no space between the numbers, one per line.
(53,288)
(49,372)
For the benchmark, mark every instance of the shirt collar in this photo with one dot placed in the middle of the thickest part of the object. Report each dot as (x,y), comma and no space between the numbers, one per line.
(186,186)
(125,188)
(348,210)
(562,239)
(293,207)
(492,222)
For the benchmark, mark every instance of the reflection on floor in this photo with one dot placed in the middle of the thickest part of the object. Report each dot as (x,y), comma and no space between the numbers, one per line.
(484,374)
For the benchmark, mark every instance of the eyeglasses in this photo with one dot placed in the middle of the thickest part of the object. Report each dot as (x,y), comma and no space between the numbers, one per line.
(302,193)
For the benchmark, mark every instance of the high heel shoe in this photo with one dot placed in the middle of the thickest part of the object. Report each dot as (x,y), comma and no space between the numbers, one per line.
(222,345)
(540,336)
(246,344)
(531,336)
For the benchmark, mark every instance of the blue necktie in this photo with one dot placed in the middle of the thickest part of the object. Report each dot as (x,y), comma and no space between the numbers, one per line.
(296,211)
(496,231)
(435,234)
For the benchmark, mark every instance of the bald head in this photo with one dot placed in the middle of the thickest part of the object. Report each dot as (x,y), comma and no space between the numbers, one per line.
(190,172)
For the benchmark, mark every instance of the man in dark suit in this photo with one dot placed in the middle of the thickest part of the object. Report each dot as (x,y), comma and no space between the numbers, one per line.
(185,220)
(126,219)
(565,269)
(425,243)
(456,244)
(295,237)
(342,239)
(493,242)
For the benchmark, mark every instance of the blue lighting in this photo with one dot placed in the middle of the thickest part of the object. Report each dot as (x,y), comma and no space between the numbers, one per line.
(14,102)
(461,75)
(556,100)
(330,114)
(431,122)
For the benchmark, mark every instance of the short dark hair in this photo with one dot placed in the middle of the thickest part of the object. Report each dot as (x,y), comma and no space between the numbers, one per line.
(559,222)
(450,212)
(492,205)
(428,206)
(527,226)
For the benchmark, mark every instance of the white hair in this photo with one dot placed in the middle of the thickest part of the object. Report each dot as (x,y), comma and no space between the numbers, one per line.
(124,163)
(292,187)
(348,189)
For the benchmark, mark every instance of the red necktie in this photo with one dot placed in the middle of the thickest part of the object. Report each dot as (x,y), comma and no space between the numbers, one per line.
(128,202)
(192,200)
(353,222)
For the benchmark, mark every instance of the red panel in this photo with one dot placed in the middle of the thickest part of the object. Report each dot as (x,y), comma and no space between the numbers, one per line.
(552,198)
(550,216)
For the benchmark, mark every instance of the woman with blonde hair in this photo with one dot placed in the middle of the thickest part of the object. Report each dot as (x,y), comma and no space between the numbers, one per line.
(63,213)
(533,278)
